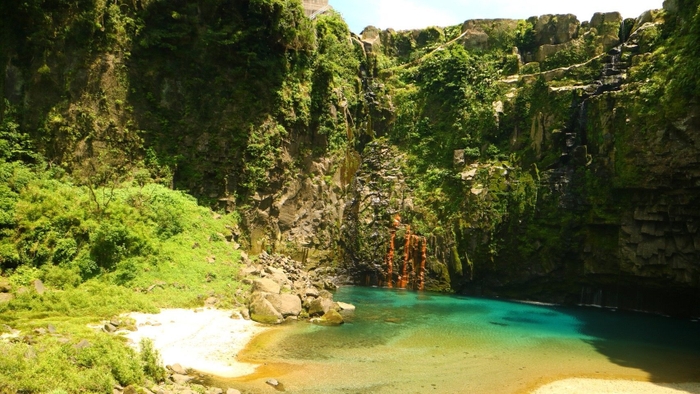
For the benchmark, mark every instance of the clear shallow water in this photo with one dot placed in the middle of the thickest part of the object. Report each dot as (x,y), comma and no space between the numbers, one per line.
(406,342)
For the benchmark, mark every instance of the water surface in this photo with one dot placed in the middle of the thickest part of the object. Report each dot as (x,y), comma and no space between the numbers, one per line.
(406,342)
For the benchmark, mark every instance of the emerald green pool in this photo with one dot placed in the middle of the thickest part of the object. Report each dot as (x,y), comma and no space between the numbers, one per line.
(406,342)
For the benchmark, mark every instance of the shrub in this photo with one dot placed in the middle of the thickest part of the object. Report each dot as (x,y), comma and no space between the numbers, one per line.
(151,361)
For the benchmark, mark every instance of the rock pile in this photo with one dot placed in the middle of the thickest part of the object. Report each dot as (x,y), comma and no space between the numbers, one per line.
(283,290)
(178,380)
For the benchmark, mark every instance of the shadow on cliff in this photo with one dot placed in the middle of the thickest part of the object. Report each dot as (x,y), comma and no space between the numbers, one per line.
(646,342)
(206,79)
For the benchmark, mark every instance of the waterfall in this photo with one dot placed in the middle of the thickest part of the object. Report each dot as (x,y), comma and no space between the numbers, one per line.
(622,31)
(598,298)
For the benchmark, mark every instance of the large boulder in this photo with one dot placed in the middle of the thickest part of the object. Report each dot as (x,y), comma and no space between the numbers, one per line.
(262,311)
(266,285)
(319,306)
(331,318)
(277,275)
(285,304)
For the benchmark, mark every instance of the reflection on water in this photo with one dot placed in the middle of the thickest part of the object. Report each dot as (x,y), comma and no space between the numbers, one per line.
(404,342)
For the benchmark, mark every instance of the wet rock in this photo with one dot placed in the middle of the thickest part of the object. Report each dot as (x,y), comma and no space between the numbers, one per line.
(109,328)
(266,285)
(272,382)
(331,318)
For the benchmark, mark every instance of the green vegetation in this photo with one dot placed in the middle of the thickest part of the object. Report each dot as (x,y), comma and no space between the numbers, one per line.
(112,110)
(148,247)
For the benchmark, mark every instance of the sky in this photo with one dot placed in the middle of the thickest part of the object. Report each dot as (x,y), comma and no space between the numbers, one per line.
(415,14)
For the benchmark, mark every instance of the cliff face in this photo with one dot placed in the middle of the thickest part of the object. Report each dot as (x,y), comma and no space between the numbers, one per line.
(246,104)
(545,158)
(570,176)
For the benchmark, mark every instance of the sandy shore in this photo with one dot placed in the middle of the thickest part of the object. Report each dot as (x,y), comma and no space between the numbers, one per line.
(207,341)
(588,386)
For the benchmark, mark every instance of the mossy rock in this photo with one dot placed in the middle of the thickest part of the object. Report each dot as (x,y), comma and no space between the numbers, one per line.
(331,318)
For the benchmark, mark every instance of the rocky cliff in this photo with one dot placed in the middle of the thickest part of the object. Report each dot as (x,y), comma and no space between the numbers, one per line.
(569,176)
(547,158)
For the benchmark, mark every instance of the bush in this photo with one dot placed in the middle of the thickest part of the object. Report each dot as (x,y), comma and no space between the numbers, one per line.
(151,361)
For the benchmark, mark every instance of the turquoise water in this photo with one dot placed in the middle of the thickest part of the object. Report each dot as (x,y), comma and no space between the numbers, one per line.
(402,342)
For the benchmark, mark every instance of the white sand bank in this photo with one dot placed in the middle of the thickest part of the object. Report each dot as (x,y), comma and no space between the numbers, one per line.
(207,341)
(588,386)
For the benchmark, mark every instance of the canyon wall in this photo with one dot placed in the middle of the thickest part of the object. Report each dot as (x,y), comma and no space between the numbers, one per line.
(546,158)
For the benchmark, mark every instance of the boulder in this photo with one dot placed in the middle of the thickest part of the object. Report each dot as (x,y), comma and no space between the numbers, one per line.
(266,285)
(181,379)
(285,304)
(130,390)
(311,292)
(325,294)
(39,286)
(232,391)
(6,297)
(279,277)
(331,318)
(345,306)
(262,311)
(83,344)
(320,306)
(177,368)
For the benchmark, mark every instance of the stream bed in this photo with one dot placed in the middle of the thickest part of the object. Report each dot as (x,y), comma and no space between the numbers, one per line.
(406,342)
